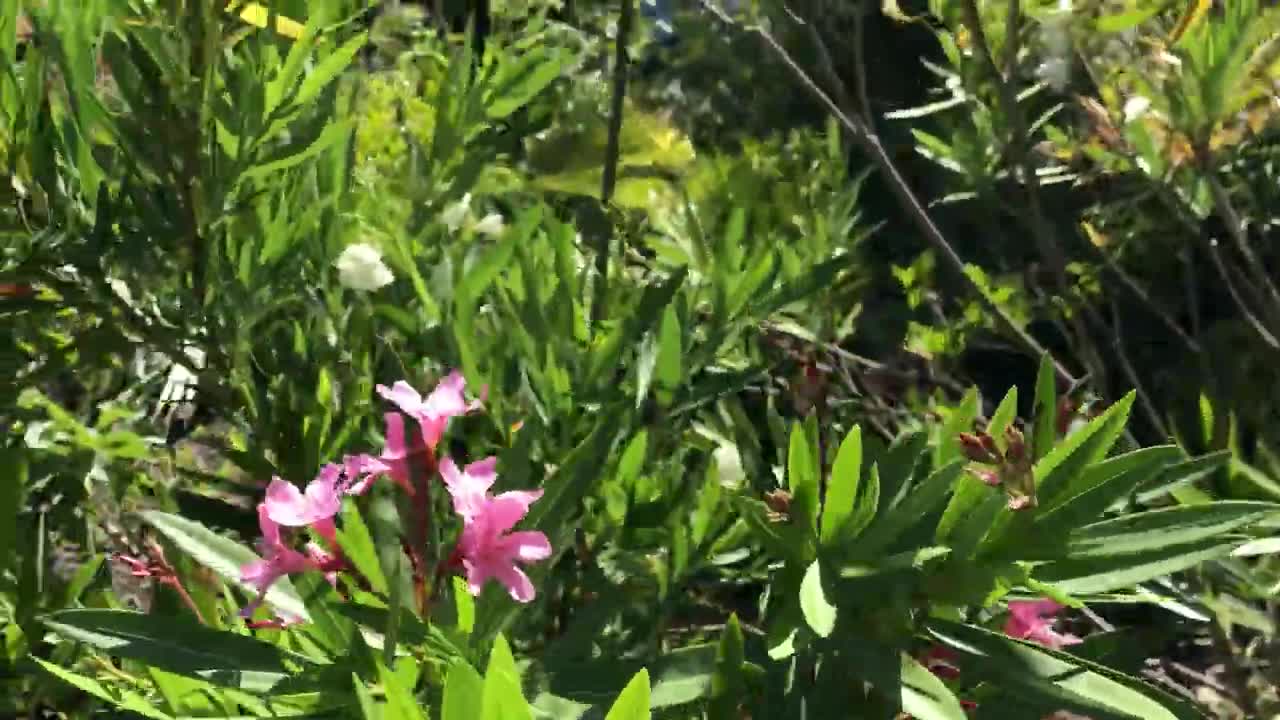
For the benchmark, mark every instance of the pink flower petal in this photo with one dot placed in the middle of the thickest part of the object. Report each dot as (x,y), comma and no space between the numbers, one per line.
(477,575)
(518,584)
(468,488)
(507,509)
(526,546)
(323,500)
(270,530)
(403,395)
(395,448)
(447,400)
(285,503)
(1033,620)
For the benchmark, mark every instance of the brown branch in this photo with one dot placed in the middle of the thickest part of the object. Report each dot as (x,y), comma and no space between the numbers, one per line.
(1239,233)
(1236,297)
(871,145)
(1145,298)
(612,149)
(861,86)
(1144,399)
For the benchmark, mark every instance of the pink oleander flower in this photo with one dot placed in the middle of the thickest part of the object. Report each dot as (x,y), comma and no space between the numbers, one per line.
(432,412)
(362,470)
(487,547)
(286,505)
(1033,620)
(278,560)
(940,661)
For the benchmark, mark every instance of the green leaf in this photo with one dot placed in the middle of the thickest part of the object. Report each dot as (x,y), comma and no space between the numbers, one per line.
(728,685)
(1057,678)
(576,476)
(1045,423)
(327,69)
(1080,450)
(400,700)
(12,487)
(502,698)
(1104,574)
(842,488)
(176,645)
(922,501)
(925,696)
(464,606)
(1057,471)
(868,502)
(947,445)
(802,479)
(520,81)
(633,703)
(334,133)
(463,693)
(1183,473)
(369,708)
(184,695)
(669,372)
(1156,529)
(223,556)
(819,613)
(1004,414)
(1143,464)
(357,546)
(1130,18)
(127,701)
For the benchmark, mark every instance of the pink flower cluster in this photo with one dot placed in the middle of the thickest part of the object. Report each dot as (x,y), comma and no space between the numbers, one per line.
(486,547)
(1033,620)
(1028,620)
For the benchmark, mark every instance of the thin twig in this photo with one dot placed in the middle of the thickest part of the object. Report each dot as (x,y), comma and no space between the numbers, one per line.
(1132,285)
(1236,228)
(870,144)
(1252,319)
(1144,399)
(861,86)
(608,181)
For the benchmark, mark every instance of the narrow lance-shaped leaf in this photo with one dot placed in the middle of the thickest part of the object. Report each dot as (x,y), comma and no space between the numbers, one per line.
(633,703)
(223,556)
(180,646)
(1045,418)
(802,479)
(1003,417)
(842,487)
(818,611)
(925,696)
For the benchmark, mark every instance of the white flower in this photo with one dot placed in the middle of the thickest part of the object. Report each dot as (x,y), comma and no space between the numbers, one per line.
(455,214)
(1135,107)
(729,466)
(121,289)
(360,267)
(492,225)
(1056,34)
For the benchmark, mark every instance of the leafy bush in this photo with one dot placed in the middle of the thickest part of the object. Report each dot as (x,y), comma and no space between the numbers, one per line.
(242,243)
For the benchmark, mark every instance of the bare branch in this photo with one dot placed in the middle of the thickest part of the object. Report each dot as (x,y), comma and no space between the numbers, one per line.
(1252,319)
(870,144)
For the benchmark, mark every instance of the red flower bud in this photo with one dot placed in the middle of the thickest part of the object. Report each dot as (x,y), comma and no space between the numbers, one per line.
(988,477)
(1017,445)
(978,448)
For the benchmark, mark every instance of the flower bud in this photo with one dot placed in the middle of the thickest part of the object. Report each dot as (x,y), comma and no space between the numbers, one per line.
(979,448)
(360,267)
(1017,445)
(988,477)
(1021,502)
(779,503)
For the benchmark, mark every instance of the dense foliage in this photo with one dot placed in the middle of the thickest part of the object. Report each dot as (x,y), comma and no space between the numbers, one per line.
(716,360)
